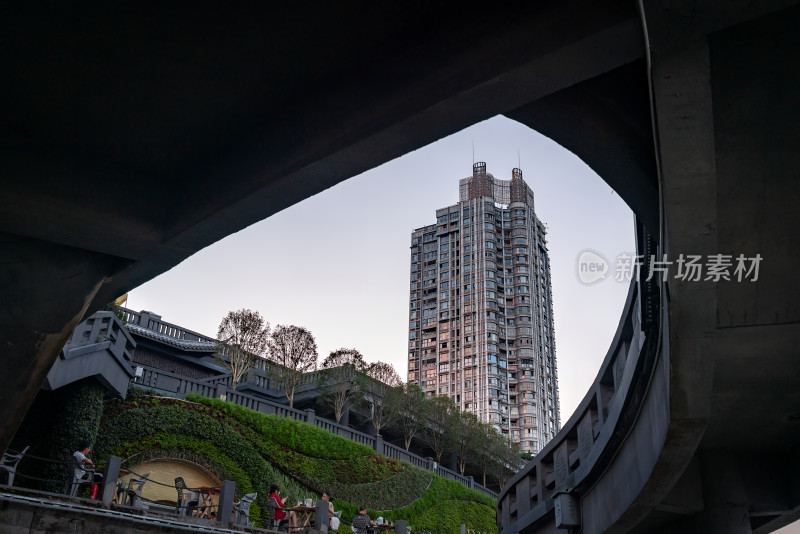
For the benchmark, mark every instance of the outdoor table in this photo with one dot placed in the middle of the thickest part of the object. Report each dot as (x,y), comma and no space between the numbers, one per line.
(385,527)
(206,501)
(306,511)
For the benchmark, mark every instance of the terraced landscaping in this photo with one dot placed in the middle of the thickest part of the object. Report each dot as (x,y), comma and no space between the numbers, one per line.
(256,450)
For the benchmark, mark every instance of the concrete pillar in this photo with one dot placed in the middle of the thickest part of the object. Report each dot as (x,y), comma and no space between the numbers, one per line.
(471,482)
(222,392)
(452,462)
(226,502)
(145,317)
(311,418)
(400,527)
(110,477)
(369,428)
(379,444)
(431,464)
(725,504)
(322,517)
(345,420)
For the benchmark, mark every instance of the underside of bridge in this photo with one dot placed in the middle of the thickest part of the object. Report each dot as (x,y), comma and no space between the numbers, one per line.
(134,136)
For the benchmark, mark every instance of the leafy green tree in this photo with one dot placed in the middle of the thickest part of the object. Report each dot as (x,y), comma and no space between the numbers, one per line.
(441,410)
(465,434)
(507,460)
(411,407)
(342,379)
(379,392)
(243,337)
(487,446)
(294,350)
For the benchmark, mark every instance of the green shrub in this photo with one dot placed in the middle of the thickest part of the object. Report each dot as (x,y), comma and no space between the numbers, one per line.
(295,435)
(448,516)
(400,490)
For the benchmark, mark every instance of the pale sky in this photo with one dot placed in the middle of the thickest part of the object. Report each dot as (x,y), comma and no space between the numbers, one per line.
(338,263)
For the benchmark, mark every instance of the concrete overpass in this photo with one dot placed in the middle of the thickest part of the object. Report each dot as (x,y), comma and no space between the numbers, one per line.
(135,136)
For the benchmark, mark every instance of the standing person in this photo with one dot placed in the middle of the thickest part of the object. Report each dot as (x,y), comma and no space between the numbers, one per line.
(362,522)
(280,512)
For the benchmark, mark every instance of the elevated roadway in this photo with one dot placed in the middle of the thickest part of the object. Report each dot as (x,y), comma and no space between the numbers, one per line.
(133,137)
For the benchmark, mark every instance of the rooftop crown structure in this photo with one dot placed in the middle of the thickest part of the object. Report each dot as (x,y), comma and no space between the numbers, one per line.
(480,309)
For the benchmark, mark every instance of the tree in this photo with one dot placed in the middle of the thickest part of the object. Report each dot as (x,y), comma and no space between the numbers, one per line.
(507,460)
(465,435)
(441,409)
(411,407)
(487,447)
(294,350)
(243,337)
(342,379)
(379,392)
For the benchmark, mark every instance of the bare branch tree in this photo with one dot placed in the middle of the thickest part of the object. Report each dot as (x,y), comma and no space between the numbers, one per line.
(412,411)
(378,395)
(342,379)
(294,350)
(243,337)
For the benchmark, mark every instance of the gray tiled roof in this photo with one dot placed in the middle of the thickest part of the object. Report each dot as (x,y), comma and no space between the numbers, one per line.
(183,344)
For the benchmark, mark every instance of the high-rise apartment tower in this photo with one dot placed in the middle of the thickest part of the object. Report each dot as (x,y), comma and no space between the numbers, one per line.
(481,309)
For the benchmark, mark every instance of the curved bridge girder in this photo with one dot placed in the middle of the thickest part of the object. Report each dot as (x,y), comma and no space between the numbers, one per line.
(710,449)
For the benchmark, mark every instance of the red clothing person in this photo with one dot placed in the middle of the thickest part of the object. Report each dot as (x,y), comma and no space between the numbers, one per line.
(279,514)
(275,493)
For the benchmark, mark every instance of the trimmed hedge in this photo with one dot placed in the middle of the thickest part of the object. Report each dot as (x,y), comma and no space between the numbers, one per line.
(440,491)
(400,490)
(154,426)
(298,436)
(256,449)
(448,516)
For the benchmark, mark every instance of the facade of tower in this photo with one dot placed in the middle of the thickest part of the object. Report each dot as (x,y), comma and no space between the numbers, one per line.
(480,309)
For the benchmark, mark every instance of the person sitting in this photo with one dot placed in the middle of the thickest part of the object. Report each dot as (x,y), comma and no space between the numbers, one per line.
(333,519)
(84,463)
(362,522)
(280,514)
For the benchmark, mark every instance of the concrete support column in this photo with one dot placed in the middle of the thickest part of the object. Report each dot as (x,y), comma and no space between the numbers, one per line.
(110,477)
(322,520)
(725,503)
(226,502)
(311,418)
(379,444)
(345,420)
(35,272)
(222,392)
